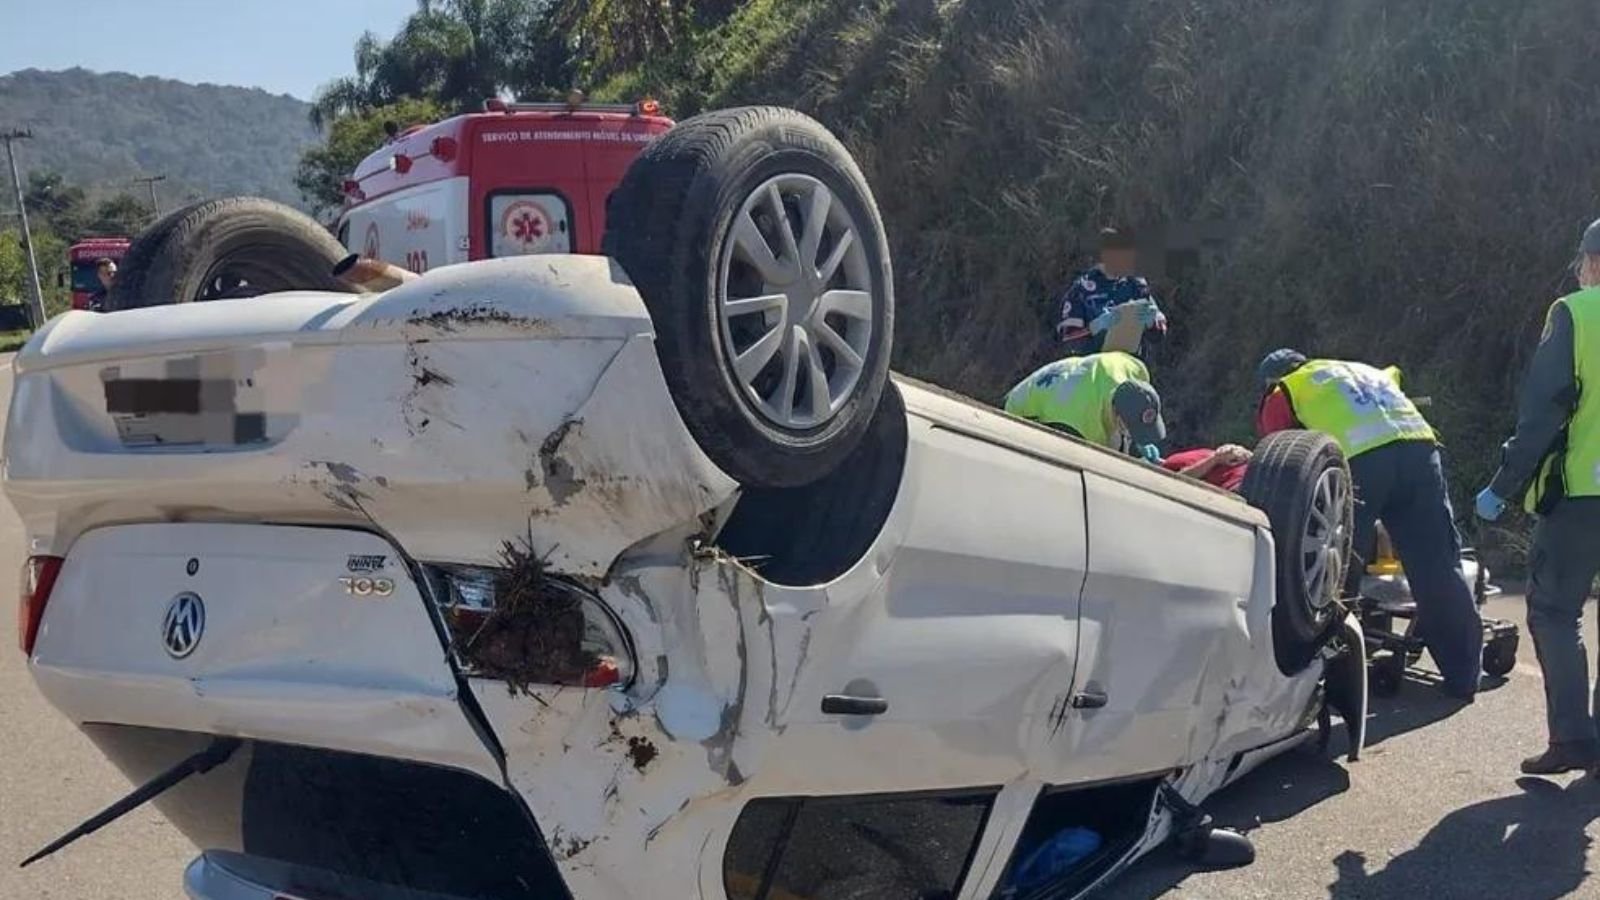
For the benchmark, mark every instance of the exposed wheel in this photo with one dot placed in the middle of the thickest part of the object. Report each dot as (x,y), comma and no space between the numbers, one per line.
(758,249)
(1500,655)
(219,249)
(1301,481)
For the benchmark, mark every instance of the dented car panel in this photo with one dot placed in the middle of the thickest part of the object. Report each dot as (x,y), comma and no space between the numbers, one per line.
(489,400)
(281,651)
(1030,616)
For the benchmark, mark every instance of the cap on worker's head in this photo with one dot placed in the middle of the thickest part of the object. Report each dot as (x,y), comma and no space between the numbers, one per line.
(1139,407)
(1115,238)
(1590,242)
(1279,363)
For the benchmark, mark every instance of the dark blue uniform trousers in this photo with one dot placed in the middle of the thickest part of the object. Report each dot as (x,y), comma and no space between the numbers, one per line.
(1566,558)
(1403,485)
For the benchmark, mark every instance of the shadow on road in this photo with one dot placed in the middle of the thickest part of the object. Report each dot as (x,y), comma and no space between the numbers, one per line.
(1299,780)
(1280,789)
(1530,845)
(1419,704)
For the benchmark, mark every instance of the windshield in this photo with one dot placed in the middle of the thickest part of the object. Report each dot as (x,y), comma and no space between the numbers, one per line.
(84,277)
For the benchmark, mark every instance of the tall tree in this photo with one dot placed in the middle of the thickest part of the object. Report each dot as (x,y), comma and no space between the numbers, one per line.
(323,169)
(55,204)
(454,52)
(608,36)
(123,214)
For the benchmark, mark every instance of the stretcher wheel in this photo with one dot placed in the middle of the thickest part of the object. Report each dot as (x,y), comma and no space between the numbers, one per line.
(1500,655)
(1387,673)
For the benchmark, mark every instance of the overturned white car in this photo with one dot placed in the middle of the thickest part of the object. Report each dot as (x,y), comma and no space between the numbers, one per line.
(639,577)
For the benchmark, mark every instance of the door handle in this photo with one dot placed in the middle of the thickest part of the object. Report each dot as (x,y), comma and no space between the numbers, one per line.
(1089,699)
(845,705)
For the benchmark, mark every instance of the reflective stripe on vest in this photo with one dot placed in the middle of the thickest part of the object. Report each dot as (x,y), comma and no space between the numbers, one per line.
(1076,392)
(1360,406)
(1581,468)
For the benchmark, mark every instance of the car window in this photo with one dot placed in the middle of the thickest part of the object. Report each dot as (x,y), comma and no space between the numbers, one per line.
(752,846)
(878,848)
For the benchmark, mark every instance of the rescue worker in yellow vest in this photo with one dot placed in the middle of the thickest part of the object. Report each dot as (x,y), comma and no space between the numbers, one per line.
(1399,479)
(1553,463)
(1104,398)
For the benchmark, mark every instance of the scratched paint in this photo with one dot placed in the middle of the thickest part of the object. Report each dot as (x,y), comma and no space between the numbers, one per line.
(514,398)
(443,413)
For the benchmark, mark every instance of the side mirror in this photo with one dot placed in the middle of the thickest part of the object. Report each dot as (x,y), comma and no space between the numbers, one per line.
(61,279)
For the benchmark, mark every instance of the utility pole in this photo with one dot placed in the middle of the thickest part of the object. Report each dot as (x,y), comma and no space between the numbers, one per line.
(149,181)
(22,212)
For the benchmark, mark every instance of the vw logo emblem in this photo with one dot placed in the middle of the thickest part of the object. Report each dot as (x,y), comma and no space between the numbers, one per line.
(185,622)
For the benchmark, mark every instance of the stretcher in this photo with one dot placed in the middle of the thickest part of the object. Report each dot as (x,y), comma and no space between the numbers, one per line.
(1389,620)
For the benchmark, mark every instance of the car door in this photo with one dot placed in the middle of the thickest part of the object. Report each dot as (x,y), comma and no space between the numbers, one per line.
(936,666)
(1163,622)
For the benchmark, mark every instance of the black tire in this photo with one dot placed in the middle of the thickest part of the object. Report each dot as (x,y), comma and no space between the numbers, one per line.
(1286,473)
(1500,655)
(670,225)
(220,249)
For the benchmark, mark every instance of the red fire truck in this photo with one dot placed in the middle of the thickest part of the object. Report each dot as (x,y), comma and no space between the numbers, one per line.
(515,179)
(81,259)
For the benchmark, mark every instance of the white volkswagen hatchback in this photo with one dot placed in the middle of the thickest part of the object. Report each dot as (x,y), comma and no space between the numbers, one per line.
(638,576)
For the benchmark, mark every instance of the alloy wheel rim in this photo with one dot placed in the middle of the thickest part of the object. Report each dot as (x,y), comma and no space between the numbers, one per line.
(796,303)
(1323,538)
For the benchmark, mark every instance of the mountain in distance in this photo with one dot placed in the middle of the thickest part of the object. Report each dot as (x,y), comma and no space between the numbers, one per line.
(102,131)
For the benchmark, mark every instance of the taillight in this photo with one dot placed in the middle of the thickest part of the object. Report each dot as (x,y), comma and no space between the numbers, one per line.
(518,624)
(38,579)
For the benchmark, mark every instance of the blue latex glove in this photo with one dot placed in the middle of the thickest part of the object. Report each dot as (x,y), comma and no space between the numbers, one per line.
(1489,505)
(1150,454)
(1103,321)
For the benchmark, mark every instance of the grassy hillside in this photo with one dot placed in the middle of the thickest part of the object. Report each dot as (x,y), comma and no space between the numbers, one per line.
(1395,182)
(102,130)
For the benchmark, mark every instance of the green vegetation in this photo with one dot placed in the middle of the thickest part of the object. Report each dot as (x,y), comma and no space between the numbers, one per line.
(101,131)
(453,52)
(60,214)
(351,137)
(1391,187)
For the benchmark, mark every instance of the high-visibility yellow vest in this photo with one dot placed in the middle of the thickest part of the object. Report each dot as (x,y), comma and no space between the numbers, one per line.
(1580,463)
(1076,392)
(1360,406)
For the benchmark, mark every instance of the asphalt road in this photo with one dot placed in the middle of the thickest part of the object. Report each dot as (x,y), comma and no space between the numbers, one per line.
(1434,809)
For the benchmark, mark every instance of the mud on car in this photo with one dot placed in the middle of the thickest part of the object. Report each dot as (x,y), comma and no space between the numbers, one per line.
(640,575)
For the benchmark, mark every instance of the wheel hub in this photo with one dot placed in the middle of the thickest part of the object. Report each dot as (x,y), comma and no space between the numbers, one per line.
(796,303)
(1324,537)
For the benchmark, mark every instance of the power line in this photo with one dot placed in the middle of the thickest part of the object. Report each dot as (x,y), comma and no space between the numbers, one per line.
(10,136)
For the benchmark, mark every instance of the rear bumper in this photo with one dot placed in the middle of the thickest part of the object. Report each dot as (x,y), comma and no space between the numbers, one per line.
(315,824)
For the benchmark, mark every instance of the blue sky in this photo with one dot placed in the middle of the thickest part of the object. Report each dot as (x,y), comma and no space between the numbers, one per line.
(284,46)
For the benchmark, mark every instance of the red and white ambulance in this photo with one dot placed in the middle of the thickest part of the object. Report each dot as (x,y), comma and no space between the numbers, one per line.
(515,179)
